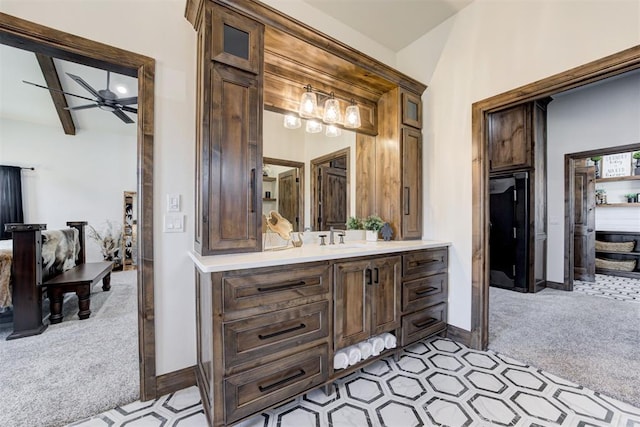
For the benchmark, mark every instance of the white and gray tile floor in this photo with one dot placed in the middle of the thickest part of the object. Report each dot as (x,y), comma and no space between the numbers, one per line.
(436,382)
(612,287)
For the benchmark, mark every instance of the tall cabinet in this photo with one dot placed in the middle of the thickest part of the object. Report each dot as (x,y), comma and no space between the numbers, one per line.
(517,146)
(229,132)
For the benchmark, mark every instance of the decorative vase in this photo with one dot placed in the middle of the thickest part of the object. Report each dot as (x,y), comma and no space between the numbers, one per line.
(372,236)
(637,168)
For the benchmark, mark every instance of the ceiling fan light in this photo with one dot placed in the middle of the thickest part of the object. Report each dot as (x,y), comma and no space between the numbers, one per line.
(292,122)
(331,111)
(107,108)
(308,104)
(121,89)
(313,126)
(352,116)
(333,131)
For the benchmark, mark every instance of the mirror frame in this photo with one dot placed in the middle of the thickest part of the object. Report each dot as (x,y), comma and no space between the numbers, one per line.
(34,37)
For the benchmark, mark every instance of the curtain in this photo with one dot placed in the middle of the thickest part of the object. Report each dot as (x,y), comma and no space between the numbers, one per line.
(10,198)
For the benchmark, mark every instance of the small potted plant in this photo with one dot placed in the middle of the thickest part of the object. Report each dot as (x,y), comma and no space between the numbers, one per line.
(636,157)
(631,197)
(355,229)
(373,224)
(596,163)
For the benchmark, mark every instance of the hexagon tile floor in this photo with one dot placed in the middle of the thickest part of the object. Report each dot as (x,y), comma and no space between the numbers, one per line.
(612,287)
(436,382)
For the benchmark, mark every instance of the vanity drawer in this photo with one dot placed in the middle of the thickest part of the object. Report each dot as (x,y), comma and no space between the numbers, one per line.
(278,288)
(423,323)
(423,292)
(257,336)
(425,262)
(253,390)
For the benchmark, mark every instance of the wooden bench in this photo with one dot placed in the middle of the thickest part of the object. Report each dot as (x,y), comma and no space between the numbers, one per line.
(80,279)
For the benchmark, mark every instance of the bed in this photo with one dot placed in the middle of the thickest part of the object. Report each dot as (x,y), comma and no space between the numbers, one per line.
(33,256)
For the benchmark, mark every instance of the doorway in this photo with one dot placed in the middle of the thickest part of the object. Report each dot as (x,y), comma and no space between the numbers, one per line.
(286,193)
(601,69)
(580,240)
(33,37)
(330,190)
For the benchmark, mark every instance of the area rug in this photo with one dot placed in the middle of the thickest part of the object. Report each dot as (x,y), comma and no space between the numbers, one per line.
(592,341)
(76,368)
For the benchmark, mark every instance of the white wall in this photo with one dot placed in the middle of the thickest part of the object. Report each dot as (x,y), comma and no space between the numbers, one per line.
(79,177)
(157,29)
(486,49)
(606,114)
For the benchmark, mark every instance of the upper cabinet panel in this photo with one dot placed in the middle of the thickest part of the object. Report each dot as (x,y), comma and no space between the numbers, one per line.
(411,110)
(237,41)
(509,138)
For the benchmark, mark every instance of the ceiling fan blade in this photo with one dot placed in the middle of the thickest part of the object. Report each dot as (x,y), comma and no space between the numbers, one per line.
(122,116)
(130,109)
(59,91)
(127,101)
(85,85)
(82,107)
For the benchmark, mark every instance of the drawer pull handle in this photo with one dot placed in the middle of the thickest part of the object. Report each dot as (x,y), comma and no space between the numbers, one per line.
(426,290)
(281,287)
(368,278)
(284,331)
(429,321)
(277,384)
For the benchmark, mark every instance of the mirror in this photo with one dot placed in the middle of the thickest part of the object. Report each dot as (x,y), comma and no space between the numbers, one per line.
(328,199)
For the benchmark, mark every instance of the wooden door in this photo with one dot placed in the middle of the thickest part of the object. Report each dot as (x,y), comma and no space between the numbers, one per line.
(234,183)
(385,294)
(584,235)
(411,184)
(332,195)
(288,196)
(509,138)
(352,308)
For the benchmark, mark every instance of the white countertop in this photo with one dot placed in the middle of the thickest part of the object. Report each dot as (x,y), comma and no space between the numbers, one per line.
(308,253)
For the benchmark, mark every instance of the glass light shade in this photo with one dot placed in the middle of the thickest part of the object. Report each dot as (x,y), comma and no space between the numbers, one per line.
(313,126)
(331,111)
(308,105)
(352,117)
(292,122)
(333,131)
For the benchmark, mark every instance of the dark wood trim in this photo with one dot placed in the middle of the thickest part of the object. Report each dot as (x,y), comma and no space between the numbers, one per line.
(176,380)
(600,69)
(52,79)
(278,20)
(459,335)
(300,166)
(58,44)
(570,160)
(556,285)
(313,172)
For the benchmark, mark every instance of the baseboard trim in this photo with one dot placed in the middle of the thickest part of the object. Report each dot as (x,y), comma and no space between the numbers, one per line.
(460,335)
(176,380)
(556,285)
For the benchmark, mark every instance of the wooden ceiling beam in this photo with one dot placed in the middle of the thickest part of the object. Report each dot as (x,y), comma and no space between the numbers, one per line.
(59,101)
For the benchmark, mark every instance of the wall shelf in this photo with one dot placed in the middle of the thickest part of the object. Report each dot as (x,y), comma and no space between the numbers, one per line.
(619,178)
(264,199)
(620,236)
(619,205)
(268,179)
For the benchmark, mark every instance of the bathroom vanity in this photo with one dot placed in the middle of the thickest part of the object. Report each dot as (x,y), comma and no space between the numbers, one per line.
(269,323)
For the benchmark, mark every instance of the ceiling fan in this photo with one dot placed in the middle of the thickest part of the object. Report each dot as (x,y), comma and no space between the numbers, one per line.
(105,99)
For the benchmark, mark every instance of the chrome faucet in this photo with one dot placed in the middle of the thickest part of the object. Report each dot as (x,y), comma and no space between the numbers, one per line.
(331,239)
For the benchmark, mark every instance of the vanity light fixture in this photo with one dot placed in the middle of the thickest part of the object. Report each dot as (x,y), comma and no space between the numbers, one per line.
(292,122)
(313,126)
(308,108)
(333,131)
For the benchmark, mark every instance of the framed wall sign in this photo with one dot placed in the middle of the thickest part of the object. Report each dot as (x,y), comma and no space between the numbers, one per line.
(616,165)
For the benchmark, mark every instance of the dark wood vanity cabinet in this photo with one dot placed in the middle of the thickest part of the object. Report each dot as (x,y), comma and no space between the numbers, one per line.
(367,299)
(229,146)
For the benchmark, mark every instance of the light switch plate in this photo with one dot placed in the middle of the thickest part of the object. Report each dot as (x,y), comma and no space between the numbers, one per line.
(173,203)
(174,223)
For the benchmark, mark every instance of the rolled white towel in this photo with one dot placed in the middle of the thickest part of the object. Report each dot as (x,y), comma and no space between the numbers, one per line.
(377,345)
(389,340)
(354,354)
(365,349)
(340,360)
